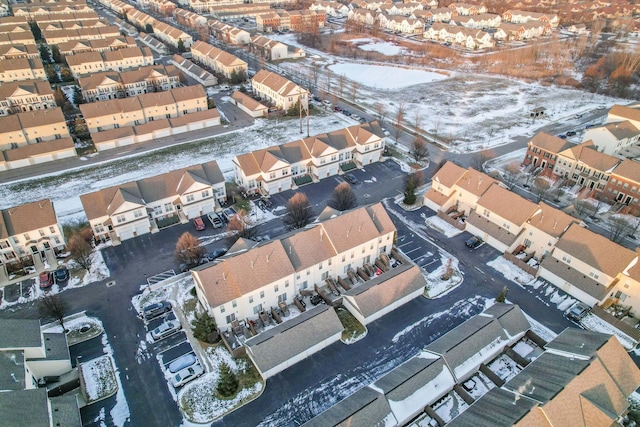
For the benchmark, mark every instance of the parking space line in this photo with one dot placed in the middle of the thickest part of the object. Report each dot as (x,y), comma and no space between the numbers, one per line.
(412,250)
(404,244)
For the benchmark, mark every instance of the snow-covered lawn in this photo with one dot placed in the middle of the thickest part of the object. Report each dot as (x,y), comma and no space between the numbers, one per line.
(437,283)
(385,77)
(442,226)
(383,47)
(450,406)
(99,378)
(504,367)
(510,271)
(594,323)
(79,327)
(198,399)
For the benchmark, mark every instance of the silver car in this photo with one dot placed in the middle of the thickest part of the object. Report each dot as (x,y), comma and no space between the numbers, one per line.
(166,328)
(186,375)
(215,220)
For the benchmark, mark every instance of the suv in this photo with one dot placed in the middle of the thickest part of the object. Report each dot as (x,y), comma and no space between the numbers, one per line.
(61,274)
(577,312)
(228,213)
(214,219)
(46,279)
(154,310)
(166,328)
(473,242)
(351,178)
(182,362)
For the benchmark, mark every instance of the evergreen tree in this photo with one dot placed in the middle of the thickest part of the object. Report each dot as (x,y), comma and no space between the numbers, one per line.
(37,34)
(77,96)
(57,56)
(181,47)
(45,54)
(205,328)
(228,383)
(148,29)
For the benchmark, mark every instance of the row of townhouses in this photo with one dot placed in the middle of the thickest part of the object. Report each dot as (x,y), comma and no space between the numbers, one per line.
(19,51)
(140,207)
(279,91)
(29,355)
(291,20)
(18,69)
(107,85)
(599,164)
(542,240)
(330,8)
(168,34)
(276,169)
(30,10)
(548,383)
(239,10)
(25,95)
(273,50)
(194,71)
(223,6)
(228,34)
(118,6)
(29,234)
(87,63)
(218,60)
(92,33)
(75,47)
(34,137)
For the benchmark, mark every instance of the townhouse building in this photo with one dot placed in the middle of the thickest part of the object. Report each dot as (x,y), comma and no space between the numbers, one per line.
(405,9)
(401,24)
(101,45)
(17,39)
(372,5)
(584,165)
(19,51)
(126,58)
(614,138)
(480,21)
(468,9)
(278,168)
(118,6)
(249,105)
(524,31)
(25,95)
(470,38)
(228,33)
(218,60)
(542,151)
(77,17)
(330,8)
(362,16)
(241,286)
(19,69)
(242,10)
(153,43)
(171,35)
(4,8)
(293,20)
(140,19)
(128,210)
(523,16)
(280,91)
(443,14)
(192,70)
(163,7)
(73,25)
(30,233)
(121,112)
(31,10)
(29,354)
(623,187)
(12,21)
(91,33)
(189,19)
(273,50)
(112,85)
(620,113)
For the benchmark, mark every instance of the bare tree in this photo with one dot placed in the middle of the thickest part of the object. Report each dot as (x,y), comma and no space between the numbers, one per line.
(299,211)
(381,112)
(511,175)
(479,159)
(188,249)
(80,251)
(417,119)
(619,227)
(54,307)
(582,207)
(343,197)
(419,149)
(399,119)
(242,225)
(327,78)
(341,84)
(354,91)
(541,188)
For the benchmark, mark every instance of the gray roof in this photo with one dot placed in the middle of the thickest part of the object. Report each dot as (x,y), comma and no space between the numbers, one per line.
(546,376)
(20,333)
(65,411)
(481,335)
(376,294)
(573,276)
(425,374)
(492,229)
(497,408)
(510,317)
(12,374)
(25,408)
(279,344)
(578,341)
(364,408)
(56,346)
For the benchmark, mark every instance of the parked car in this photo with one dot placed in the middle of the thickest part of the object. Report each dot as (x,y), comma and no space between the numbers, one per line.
(589,126)
(46,279)
(186,375)
(577,312)
(61,274)
(182,362)
(166,328)
(578,116)
(154,310)
(602,107)
(385,132)
(199,224)
(355,117)
(562,136)
(473,242)
(571,133)
(351,178)
(317,98)
(337,109)
(228,213)
(217,253)
(346,112)
(214,219)
(327,102)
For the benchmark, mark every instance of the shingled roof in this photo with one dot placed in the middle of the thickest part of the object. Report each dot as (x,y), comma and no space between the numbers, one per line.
(28,217)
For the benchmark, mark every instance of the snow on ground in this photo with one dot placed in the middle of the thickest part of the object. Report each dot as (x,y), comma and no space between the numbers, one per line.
(540,330)
(199,395)
(510,271)
(120,413)
(98,377)
(478,385)
(385,77)
(377,45)
(450,406)
(504,367)
(594,323)
(523,348)
(442,226)
(437,286)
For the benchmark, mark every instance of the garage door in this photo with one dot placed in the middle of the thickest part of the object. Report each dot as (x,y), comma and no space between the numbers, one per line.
(192,213)
(125,234)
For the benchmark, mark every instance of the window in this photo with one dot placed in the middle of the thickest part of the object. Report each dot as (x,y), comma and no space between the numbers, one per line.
(320,266)
(594,274)
(26,236)
(168,207)
(222,308)
(205,194)
(4,244)
(190,198)
(231,318)
(257,308)
(325,275)
(250,300)
(303,285)
(52,230)
(138,213)
(567,259)
(621,296)
(282,297)
(367,259)
(275,288)
(234,304)
(120,219)
(41,233)
(261,294)
(99,228)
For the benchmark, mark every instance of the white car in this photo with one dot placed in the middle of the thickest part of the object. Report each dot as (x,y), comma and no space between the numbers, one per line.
(186,375)
(215,220)
(166,328)
(355,117)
